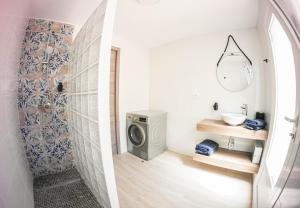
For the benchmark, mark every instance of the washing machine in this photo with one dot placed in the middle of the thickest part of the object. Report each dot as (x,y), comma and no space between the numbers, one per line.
(146,133)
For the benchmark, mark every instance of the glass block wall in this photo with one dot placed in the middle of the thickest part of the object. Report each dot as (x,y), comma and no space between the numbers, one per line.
(92,148)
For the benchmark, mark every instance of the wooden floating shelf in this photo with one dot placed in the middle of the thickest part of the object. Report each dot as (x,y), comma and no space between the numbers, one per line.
(221,128)
(233,160)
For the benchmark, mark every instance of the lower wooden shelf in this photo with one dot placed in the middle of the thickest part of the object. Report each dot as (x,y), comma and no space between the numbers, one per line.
(233,160)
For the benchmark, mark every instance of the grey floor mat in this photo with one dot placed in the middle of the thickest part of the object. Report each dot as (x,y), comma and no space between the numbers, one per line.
(63,190)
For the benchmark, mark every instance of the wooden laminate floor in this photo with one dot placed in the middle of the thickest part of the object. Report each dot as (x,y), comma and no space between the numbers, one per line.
(172,180)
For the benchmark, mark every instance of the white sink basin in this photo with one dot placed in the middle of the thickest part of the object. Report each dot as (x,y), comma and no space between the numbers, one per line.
(233,119)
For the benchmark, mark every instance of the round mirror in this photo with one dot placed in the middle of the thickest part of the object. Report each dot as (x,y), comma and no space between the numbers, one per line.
(234,72)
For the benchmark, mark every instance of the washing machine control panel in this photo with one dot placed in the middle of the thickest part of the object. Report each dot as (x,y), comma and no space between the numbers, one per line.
(142,119)
(137,119)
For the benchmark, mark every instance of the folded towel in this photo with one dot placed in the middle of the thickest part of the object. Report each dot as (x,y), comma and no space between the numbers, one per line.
(207,144)
(255,122)
(207,147)
(255,128)
(202,153)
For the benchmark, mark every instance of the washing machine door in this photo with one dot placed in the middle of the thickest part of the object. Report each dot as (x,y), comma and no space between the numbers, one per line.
(136,135)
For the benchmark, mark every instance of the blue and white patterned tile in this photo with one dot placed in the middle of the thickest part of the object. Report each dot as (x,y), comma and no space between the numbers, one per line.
(32,118)
(35,154)
(54,166)
(44,85)
(28,100)
(45,91)
(22,101)
(29,87)
(34,136)
(57,40)
(59,116)
(62,113)
(67,145)
(62,128)
(66,161)
(67,29)
(38,25)
(33,102)
(60,100)
(38,40)
(47,118)
(42,25)
(25,54)
(29,65)
(56,61)
(25,132)
(26,38)
(30,25)
(44,98)
(44,67)
(50,148)
(58,150)
(49,136)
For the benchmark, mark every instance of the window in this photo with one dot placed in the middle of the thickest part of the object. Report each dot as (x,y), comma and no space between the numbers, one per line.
(285,80)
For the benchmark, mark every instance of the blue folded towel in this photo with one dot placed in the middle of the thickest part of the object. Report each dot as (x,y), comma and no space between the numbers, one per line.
(203,153)
(255,128)
(255,122)
(207,147)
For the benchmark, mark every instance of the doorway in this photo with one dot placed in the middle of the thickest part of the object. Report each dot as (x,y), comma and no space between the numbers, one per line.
(114,101)
(284,143)
(285,99)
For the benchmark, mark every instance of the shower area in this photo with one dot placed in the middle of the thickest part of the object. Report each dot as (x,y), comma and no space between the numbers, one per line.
(44,65)
(64,123)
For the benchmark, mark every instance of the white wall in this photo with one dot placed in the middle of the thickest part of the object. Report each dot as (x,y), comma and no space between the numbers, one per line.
(183,83)
(15,177)
(133,80)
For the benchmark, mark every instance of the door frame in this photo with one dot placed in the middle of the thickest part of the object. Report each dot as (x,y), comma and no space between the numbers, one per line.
(262,175)
(116,93)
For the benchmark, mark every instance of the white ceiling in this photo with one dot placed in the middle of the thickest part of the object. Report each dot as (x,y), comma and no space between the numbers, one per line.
(175,19)
(75,12)
(157,24)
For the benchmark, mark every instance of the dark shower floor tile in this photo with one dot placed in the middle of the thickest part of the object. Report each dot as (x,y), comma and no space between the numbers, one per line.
(54,179)
(63,190)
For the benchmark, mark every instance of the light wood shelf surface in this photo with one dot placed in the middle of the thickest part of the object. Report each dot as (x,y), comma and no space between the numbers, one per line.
(221,128)
(233,160)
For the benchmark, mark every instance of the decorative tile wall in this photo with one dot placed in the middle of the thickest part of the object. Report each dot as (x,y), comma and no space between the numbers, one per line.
(44,63)
(84,105)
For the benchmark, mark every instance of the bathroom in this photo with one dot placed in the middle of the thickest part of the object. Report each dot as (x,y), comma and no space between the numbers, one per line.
(72,73)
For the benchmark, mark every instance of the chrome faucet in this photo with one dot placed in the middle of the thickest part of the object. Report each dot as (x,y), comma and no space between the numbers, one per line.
(244,107)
